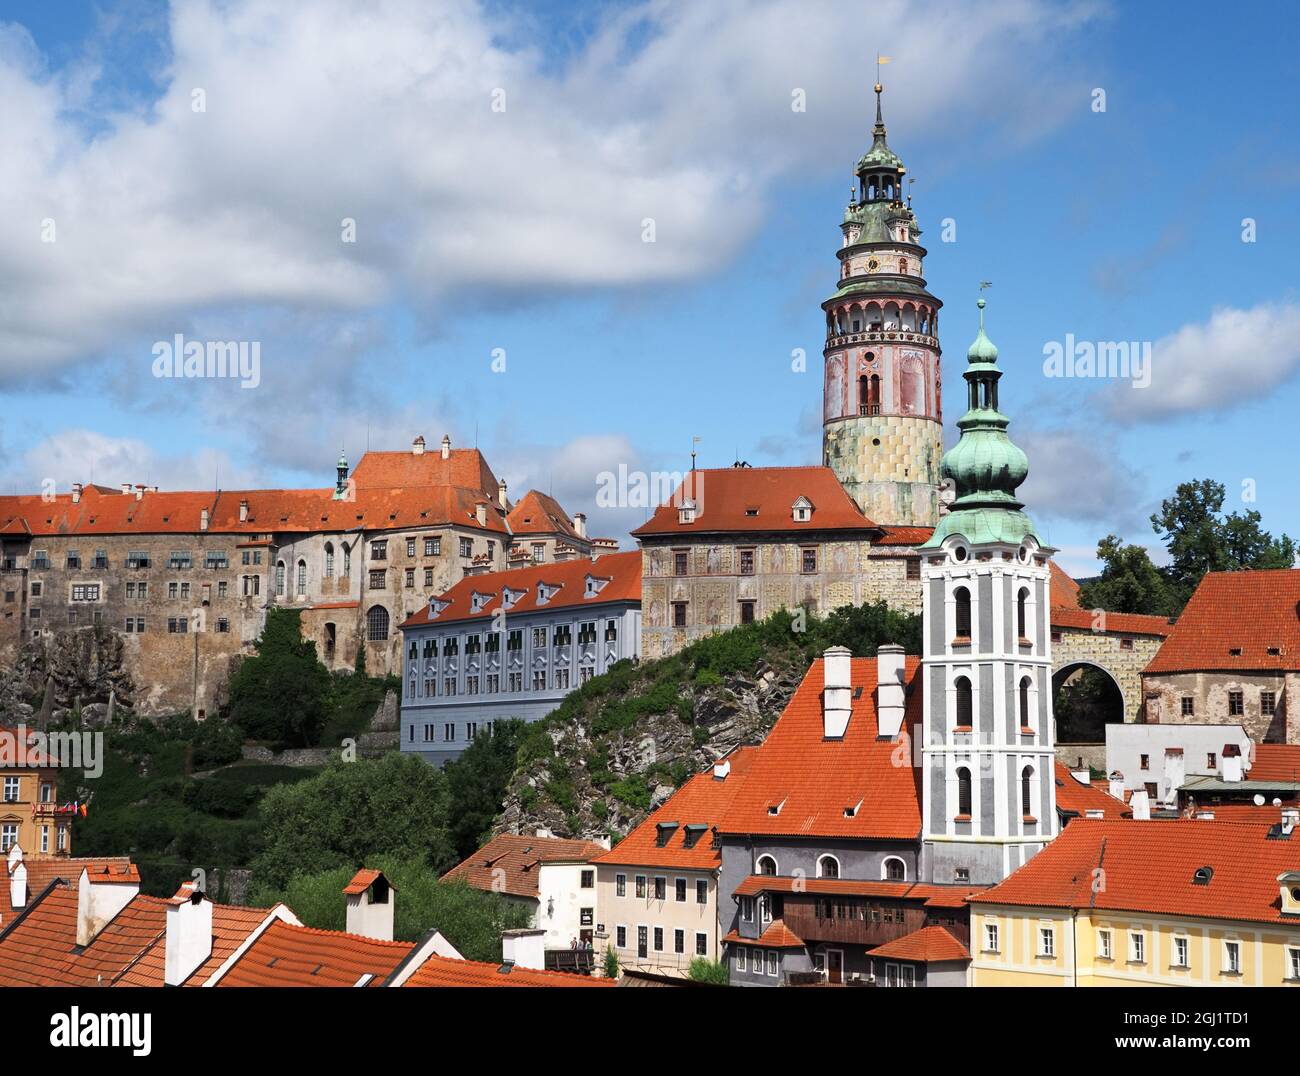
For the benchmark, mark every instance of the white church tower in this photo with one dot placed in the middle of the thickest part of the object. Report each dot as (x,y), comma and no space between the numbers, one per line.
(988,739)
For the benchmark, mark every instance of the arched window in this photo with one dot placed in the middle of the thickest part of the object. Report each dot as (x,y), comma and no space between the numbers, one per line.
(902,265)
(1026,794)
(329,560)
(1025,723)
(963,792)
(377,623)
(828,867)
(347,561)
(302,577)
(766,865)
(965,703)
(893,869)
(279,578)
(961,601)
(1022,621)
(862,395)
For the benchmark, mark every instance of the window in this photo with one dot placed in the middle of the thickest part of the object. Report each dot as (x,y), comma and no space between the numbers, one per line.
(679,941)
(1211,760)
(620,885)
(661,888)
(701,891)
(1188,706)
(679,561)
(85,592)
(913,567)
(302,578)
(377,578)
(74,559)
(965,714)
(36,590)
(177,625)
(1232,958)
(963,793)
(894,870)
(641,948)
(588,880)
(223,625)
(379,550)
(8,836)
(279,578)
(215,559)
(1025,724)
(742,958)
(1104,945)
(679,890)
(136,558)
(640,886)
(659,939)
(466,547)
(449,732)
(771,963)
(1026,792)
(428,577)
(701,944)
(1180,953)
(747,612)
(766,865)
(961,602)
(746,909)
(1022,600)
(679,614)
(40,559)
(1137,947)
(377,623)
(808,560)
(11,789)
(410,547)
(828,867)
(620,937)
(1046,941)
(432,547)
(746,562)
(1144,762)
(1235,704)
(1267,703)
(991,937)
(329,560)
(1293,963)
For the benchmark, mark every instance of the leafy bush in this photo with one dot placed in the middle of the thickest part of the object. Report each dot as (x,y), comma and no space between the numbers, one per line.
(703,970)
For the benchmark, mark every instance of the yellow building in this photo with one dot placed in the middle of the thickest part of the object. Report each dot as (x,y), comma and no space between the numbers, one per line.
(1147,903)
(29,816)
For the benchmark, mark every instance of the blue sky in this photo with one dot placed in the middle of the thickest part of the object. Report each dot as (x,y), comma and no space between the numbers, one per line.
(522,230)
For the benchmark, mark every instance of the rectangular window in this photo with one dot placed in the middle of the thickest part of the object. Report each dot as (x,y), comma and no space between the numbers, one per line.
(410,577)
(1236,705)
(137,558)
(410,547)
(679,941)
(180,559)
(659,939)
(661,888)
(8,836)
(1267,703)
(620,885)
(640,886)
(466,547)
(808,560)
(379,550)
(1293,963)
(679,562)
(1103,945)
(679,614)
(914,570)
(746,909)
(1232,957)
(1180,953)
(449,731)
(214,559)
(432,547)
(587,880)
(701,943)
(742,958)
(428,577)
(40,559)
(85,592)
(12,787)
(539,679)
(679,890)
(1189,706)
(74,559)
(1046,941)
(36,590)
(377,579)
(1137,947)
(771,963)
(1212,760)
(990,937)
(701,891)
(620,937)
(746,562)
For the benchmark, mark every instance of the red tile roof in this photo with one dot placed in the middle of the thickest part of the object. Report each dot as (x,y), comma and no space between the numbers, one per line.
(813,780)
(1074,796)
(231,927)
(465,468)
(621,573)
(1150,867)
(929,945)
(1245,611)
(908,536)
(444,971)
(701,801)
(289,955)
(42,870)
(538,513)
(1274,762)
(1114,623)
(508,863)
(361,881)
(776,936)
(1063,590)
(758,499)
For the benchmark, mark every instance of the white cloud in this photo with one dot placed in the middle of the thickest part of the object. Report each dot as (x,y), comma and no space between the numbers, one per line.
(1076,477)
(1234,357)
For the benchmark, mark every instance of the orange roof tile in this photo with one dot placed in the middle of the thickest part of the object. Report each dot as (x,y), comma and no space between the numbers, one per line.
(1274,762)
(231,927)
(907,536)
(1150,867)
(758,499)
(812,781)
(776,936)
(929,945)
(620,573)
(700,802)
(1075,797)
(1232,621)
(1063,590)
(1115,623)
(361,881)
(289,955)
(42,870)
(464,467)
(444,971)
(537,513)
(508,863)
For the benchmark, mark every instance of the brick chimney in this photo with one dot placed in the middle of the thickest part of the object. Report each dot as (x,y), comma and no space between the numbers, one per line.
(188,942)
(139,492)
(243,511)
(523,948)
(837,691)
(101,895)
(370,899)
(446,446)
(417,446)
(890,693)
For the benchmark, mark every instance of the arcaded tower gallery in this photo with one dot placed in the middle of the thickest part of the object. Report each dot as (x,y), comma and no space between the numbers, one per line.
(882,421)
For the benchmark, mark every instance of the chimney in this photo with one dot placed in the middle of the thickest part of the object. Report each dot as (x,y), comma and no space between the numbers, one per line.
(17,878)
(1083,775)
(370,900)
(203,520)
(1230,762)
(480,512)
(501,494)
(542,831)
(189,934)
(126,487)
(77,487)
(417,447)
(139,492)
(523,948)
(1140,803)
(889,690)
(837,691)
(1290,819)
(1117,784)
(243,511)
(722,769)
(446,446)
(100,896)
(563,553)
(1094,813)
(1205,816)
(580,524)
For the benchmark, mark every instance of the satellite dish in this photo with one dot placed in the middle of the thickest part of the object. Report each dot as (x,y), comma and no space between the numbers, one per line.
(1259,800)
(1277,801)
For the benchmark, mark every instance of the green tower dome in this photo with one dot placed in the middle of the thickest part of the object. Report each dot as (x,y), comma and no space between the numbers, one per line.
(985,466)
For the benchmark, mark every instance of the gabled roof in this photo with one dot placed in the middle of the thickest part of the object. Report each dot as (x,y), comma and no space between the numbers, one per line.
(776,936)
(695,809)
(537,514)
(904,536)
(508,863)
(42,870)
(1249,612)
(811,780)
(443,971)
(464,467)
(1074,797)
(288,955)
(1063,590)
(620,574)
(757,499)
(1121,623)
(232,926)
(1274,762)
(361,881)
(1150,867)
(929,945)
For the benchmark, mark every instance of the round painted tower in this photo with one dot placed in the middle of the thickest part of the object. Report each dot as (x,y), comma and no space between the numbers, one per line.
(882,422)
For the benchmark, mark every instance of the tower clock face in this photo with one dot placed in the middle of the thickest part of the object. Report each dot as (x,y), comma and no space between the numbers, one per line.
(872,265)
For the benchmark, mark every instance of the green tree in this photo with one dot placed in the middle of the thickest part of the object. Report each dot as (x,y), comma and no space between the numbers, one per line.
(353,812)
(469,918)
(704,970)
(1129,582)
(281,693)
(1201,538)
(611,963)
(477,782)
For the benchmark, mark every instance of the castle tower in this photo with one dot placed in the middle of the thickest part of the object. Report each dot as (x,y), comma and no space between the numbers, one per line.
(989,791)
(882,429)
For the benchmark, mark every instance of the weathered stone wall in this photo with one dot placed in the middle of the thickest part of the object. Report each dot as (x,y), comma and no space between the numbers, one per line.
(901,454)
(1106,650)
(1164,694)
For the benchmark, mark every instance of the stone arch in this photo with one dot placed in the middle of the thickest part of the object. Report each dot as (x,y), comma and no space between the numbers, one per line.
(1108,705)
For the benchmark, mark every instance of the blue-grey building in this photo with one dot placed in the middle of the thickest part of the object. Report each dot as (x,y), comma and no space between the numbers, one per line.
(512,644)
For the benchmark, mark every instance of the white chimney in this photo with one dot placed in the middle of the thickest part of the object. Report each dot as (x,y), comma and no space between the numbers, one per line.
(243,511)
(722,769)
(1205,816)
(1140,803)
(126,487)
(480,513)
(580,525)
(370,900)
(17,878)
(837,691)
(1290,819)
(1094,812)
(1173,772)
(890,696)
(417,447)
(101,896)
(77,487)
(542,831)
(189,935)
(501,494)
(1230,763)
(1117,784)
(524,948)
(446,446)
(1082,775)
(139,493)
(203,520)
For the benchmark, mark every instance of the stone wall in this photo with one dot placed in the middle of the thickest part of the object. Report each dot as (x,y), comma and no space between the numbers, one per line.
(1209,692)
(901,454)
(1106,650)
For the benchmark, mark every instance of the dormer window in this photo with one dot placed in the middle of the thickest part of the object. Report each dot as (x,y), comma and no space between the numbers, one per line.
(852,810)
(664,833)
(1202,875)
(436,607)
(477,601)
(775,808)
(594,586)
(802,510)
(545,592)
(686,512)
(509,597)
